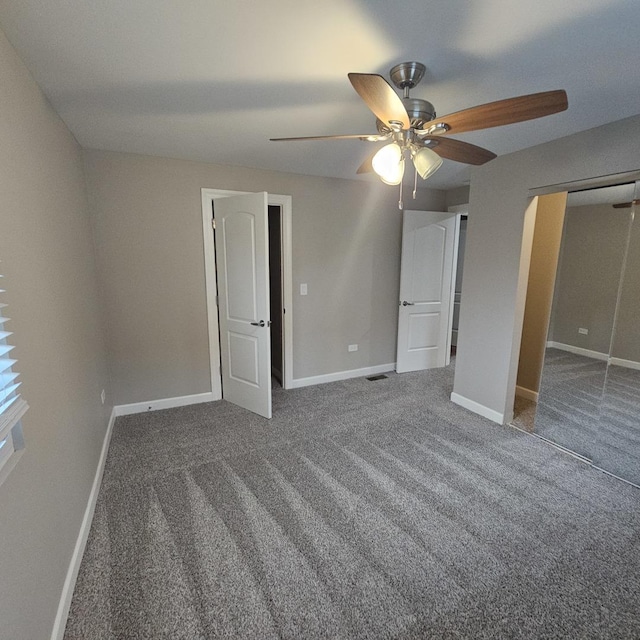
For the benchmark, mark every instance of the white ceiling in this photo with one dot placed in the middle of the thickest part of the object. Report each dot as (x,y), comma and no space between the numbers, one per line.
(211,80)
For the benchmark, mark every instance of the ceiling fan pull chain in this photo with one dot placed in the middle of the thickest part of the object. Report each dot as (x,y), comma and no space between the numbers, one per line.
(400,203)
(415,183)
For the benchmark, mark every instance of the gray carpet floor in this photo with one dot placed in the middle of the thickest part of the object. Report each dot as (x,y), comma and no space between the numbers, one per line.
(592,410)
(570,399)
(618,449)
(361,510)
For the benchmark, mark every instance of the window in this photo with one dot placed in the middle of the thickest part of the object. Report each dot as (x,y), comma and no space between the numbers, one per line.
(12,406)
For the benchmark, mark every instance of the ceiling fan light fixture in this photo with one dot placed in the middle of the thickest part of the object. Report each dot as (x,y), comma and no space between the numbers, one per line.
(388,163)
(426,162)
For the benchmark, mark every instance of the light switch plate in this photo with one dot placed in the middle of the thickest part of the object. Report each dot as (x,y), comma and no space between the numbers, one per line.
(353,347)
(303,289)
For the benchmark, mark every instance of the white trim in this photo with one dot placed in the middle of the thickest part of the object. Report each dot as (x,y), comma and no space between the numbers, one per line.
(588,183)
(208,196)
(523,392)
(478,408)
(452,288)
(343,375)
(211,289)
(287,282)
(621,362)
(579,351)
(163,403)
(10,464)
(8,422)
(12,416)
(74,566)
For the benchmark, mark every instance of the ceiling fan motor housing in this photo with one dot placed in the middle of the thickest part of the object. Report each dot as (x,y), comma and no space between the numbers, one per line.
(419,111)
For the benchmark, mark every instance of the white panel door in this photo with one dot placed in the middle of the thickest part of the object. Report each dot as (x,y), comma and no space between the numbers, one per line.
(427,276)
(242,261)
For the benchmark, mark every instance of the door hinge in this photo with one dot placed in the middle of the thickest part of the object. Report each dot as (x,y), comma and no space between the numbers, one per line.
(213,223)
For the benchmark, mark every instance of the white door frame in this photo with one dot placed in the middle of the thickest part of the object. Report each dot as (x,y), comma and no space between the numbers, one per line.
(284,202)
(460,210)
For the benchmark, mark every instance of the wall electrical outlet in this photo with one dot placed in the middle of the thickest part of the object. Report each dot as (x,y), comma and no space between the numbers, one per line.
(353,347)
(583,331)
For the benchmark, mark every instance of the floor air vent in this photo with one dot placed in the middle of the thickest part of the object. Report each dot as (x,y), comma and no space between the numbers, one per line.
(380,377)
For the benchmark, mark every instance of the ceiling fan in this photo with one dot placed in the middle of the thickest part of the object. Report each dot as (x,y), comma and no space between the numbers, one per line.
(413,130)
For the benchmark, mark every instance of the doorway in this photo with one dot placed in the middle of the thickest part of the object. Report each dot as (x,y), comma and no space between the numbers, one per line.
(463,214)
(281,207)
(276,301)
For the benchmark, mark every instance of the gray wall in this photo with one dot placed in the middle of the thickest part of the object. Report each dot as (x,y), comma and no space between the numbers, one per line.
(593,246)
(494,285)
(47,257)
(148,222)
(460,195)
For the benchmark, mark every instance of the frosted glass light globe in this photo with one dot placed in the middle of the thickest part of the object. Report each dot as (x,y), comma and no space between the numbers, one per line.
(388,163)
(426,162)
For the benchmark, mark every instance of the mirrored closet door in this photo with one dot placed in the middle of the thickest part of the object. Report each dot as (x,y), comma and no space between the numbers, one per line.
(618,445)
(588,394)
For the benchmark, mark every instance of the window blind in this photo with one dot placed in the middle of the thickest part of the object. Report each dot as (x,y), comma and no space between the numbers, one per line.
(12,406)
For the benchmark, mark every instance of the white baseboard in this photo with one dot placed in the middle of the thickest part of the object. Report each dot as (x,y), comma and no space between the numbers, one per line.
(621,362)
(74,566)
(579,351)
(523,392)
(163,403)
(342,375)
(478,408)
(597,355)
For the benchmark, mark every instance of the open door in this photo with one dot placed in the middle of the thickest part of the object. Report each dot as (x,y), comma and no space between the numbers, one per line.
(241,240)
(427,274)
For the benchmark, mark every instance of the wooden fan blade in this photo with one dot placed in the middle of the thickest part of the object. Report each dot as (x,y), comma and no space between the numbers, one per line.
(460,151)
(625,205)
(501,112)
(371,137)
(380,98)
(366,166)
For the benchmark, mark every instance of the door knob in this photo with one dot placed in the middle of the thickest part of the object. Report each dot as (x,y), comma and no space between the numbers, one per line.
(407,304)
(258,324)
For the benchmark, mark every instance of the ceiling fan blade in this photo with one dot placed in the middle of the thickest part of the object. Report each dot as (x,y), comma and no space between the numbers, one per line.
(371,137)
(380,98)
(501,112)
(460,151)
(626,205)
(367,166)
